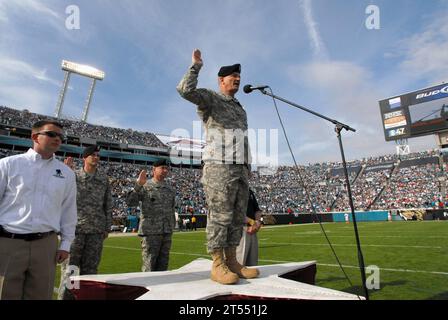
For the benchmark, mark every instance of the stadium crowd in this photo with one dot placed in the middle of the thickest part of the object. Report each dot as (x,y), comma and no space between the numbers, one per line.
(25,119)
(412,187)
(281,191)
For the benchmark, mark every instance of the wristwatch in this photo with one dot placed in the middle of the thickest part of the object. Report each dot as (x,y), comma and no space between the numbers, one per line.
(250,221)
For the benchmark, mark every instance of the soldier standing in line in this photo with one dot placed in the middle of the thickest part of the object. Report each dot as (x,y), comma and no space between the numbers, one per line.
(226,169)
(157,219)
(94,201)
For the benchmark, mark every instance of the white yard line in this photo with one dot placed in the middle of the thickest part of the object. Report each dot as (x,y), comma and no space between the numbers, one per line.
(354,245)
(356,267)
(283,261)
(325,244)
(366,236)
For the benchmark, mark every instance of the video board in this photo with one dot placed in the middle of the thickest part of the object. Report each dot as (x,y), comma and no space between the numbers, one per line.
(415,114)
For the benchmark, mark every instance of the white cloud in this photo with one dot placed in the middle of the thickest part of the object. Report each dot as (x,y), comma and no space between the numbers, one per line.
(3,17)
(23,85)
(352,98)
(39,7)
(26,97)
(26,6)
(104,120)
(49,17)
(350,94)
(347,89)
(316,43)
(148,46)
(13,70)
(314,146)
(335,76)
(224,36)
(426,55)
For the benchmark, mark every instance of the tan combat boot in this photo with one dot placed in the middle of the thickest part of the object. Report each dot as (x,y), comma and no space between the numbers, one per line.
(220,272)
(234,266)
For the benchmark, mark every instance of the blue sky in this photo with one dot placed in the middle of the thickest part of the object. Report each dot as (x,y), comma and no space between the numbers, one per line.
(317,53)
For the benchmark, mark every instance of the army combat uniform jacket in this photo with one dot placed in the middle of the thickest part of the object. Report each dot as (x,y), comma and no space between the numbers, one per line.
(224,119)
(94,201)
(158,199)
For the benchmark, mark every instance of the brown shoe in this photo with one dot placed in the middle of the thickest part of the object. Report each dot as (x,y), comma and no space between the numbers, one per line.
(234,266)
(220,272)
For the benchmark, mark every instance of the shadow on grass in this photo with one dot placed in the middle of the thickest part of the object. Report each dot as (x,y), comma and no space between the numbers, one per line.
(326,281)
(331,279)
(360,290)
(440,296)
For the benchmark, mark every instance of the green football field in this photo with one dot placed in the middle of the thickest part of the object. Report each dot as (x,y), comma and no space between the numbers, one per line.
(412,257)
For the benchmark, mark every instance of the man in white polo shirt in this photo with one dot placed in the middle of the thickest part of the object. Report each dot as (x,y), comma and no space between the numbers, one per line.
(37,201)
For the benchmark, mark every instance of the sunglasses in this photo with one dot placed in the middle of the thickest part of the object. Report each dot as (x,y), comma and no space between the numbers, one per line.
(53,134)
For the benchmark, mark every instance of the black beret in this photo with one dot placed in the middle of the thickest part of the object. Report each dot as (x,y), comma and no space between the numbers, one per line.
(228,70)
(159,163)
(90,150)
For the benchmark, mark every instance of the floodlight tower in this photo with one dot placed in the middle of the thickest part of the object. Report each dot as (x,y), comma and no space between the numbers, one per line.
(83,70)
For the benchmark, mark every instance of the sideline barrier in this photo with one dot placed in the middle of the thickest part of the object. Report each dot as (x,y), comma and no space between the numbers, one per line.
(362,216)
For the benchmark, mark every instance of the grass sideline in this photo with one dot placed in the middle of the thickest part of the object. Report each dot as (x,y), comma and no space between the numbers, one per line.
(412,256)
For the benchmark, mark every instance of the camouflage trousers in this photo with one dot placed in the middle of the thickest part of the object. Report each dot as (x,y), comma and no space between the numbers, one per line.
(227,192)
(85,256)
(156,252)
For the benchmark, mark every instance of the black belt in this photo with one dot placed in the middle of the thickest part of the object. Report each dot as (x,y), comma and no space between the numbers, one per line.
(232,162)
(26,237)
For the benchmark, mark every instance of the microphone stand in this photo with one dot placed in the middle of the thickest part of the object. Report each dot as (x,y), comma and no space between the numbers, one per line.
(338,128)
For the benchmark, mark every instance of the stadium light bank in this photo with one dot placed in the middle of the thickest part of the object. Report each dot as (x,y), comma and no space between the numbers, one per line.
(83,70)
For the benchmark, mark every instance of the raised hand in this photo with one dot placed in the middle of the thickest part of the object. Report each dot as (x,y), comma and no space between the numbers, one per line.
(69,162)
(196,57)
(142,178)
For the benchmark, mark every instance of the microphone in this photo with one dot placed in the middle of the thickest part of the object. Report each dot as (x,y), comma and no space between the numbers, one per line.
(248,88)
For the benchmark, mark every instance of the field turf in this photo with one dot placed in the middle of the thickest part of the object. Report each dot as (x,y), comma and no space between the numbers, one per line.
(412,256)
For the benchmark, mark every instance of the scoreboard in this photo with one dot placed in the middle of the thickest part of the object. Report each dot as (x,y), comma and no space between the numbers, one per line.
(415,114)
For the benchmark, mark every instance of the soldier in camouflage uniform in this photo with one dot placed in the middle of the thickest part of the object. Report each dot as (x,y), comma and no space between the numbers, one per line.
(157,219)
(94,202)
(226,169)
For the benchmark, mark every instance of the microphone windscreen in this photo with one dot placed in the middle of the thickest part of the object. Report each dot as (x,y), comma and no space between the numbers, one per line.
(247,88)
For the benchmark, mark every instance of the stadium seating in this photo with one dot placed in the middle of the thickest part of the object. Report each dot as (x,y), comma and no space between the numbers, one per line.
(384,182)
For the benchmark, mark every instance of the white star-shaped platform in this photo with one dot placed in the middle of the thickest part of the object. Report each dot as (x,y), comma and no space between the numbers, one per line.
(192,282)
